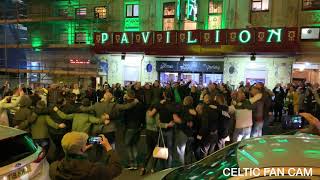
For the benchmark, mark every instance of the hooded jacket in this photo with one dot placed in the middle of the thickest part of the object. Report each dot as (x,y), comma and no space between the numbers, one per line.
(24,116)
(79,168)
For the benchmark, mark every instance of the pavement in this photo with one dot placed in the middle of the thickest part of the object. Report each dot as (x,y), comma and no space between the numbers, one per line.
(134,175)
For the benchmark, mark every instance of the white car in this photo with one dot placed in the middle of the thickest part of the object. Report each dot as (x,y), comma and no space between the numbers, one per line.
(267,157)
(20,157)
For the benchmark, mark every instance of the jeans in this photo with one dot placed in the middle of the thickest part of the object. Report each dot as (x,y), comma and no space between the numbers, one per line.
(207,145)
(131,141)
(278,112)
(168,140)
(180,148)
(152,140)
(257,129)
(241,133)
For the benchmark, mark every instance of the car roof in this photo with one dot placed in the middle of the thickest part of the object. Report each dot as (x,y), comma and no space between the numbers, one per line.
(6,132)
(279,151)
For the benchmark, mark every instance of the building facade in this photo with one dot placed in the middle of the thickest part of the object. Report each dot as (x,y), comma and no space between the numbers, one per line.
(73,24)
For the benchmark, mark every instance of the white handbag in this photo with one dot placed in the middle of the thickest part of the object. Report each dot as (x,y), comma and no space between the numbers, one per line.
(161,152)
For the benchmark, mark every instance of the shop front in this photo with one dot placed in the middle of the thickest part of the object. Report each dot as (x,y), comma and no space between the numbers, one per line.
(202,56)
(201,72)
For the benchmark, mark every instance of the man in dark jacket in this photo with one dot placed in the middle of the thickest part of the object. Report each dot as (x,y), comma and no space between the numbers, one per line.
(208,128)
(75,164)
(134,120)
(279,96)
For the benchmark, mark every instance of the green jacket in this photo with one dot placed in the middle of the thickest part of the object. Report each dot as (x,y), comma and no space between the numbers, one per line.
(81,121)
(79,168)
(39,129)
(112,109)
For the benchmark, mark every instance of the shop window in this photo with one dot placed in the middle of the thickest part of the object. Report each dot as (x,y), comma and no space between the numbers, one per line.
(132,10)
(311,4)
(168,16)
(215,14)
(81,12)
(100,12)
(81,37)
(260,5)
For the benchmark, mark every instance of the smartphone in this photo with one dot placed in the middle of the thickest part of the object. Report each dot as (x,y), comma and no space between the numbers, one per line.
(94,140)
(297,122)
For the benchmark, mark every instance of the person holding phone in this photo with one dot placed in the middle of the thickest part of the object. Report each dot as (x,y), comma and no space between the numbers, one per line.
(75,165)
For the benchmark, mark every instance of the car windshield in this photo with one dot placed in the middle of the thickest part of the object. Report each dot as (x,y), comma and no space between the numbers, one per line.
(16,148)
(209,168)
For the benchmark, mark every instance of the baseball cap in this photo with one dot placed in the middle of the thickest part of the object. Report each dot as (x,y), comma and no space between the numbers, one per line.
(73,142)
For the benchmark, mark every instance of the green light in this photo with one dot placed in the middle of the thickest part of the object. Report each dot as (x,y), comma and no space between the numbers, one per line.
(258,154)
(209,173)
(124,39)
(262,141)
(178,9)
(168,37)
(275,32)
(282,140)
(145,37)
(224,15)
(248,35)
(217,40)
(132,24)
(104,37)
(191,41)
(36,42)
(279,150)
(248,156)
(314,154)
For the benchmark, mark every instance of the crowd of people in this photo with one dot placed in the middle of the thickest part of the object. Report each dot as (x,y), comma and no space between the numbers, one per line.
(195,121)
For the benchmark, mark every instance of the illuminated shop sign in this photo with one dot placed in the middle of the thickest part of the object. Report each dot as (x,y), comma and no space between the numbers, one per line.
(78,61)
(252,36)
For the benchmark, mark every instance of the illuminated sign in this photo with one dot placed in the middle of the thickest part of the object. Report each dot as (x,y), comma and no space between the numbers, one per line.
(78,61)
(251,36)
(192,10)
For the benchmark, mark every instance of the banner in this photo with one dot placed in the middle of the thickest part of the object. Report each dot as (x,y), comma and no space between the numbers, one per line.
(251,36)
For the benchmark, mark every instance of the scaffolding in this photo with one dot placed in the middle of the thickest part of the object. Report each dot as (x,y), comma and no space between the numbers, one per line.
(39,26)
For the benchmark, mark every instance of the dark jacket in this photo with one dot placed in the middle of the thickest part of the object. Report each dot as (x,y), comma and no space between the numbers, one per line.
(224,123)
(79,168)
(186,117)
(135,116)
(156,95)
(148,96)
(209,120)
(279,96)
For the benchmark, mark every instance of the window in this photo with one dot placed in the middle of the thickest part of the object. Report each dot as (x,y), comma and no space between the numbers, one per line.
(188,24)
(100,12)
(168,16)
(311,4)
(260,5)
(215,14)
(81,37)
(215,7)
(81,12)
(132,10)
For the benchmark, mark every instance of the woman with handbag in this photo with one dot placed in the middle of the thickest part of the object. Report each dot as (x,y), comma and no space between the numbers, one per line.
(152,137)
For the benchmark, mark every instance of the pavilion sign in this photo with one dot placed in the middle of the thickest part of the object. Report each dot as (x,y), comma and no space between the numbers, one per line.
(251,36)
